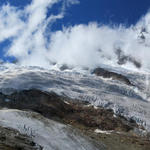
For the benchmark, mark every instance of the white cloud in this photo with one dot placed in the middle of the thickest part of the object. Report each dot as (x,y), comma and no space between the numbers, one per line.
(80,45)
(91,45)
(10,24)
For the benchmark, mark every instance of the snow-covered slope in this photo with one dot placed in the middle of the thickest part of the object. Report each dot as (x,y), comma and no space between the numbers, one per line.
(129,101)
(46,133)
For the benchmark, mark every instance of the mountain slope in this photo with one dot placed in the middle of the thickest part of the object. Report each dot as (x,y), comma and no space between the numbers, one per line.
(129,101)
(106,109)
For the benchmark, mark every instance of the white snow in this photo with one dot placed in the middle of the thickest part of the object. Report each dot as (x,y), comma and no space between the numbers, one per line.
(95,107)
(66,102)
(102,132)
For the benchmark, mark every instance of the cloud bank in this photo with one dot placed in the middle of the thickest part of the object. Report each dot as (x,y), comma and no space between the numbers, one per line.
(33,43)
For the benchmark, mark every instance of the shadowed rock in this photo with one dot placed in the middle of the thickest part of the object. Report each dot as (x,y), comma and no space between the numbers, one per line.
(12,140)
(65,67)
(123,59)
(114,76)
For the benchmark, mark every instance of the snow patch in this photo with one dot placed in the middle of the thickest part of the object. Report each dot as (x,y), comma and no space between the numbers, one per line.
(66,102)
(102,132)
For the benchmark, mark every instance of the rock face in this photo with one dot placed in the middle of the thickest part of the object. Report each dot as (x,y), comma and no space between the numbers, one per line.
(123,59)
(12,140)
(114,76)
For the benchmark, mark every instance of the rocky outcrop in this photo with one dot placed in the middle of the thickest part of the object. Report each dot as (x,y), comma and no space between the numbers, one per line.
(114,76)
(123,59)
(12,140)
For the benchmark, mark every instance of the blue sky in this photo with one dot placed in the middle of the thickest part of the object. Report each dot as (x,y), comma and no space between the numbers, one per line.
(103,11)
(107,12)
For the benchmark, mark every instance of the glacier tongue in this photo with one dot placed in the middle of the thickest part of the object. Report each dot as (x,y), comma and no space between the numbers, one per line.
(129,101)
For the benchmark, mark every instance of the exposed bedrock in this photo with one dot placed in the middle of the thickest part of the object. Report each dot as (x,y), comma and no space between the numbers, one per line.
(114,76)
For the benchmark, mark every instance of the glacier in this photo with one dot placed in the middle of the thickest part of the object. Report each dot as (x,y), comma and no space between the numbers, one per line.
(132,102)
